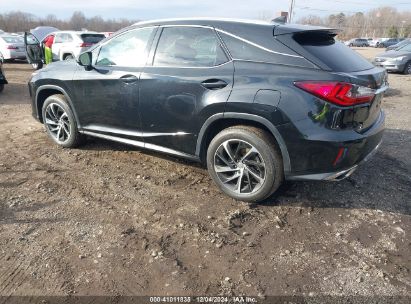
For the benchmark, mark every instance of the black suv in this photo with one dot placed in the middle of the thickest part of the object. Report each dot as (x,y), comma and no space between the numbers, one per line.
(256,102)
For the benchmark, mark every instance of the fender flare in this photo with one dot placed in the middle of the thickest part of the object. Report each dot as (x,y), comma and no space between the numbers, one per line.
(251,117)
(62,91)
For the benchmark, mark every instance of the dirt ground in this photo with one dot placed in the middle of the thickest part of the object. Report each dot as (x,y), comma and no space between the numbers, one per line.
(108,219)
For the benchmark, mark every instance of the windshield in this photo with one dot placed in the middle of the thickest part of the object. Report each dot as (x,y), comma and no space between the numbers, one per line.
(12,39)
(406,48)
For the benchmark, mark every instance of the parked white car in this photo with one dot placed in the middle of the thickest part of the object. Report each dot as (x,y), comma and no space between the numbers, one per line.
(377,41)
(12,47)
(70,44)
(67,44)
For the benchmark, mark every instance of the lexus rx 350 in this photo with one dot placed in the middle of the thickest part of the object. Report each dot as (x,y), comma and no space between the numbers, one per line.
(256,102)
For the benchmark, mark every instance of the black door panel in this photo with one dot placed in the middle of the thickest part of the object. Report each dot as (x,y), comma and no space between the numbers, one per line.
(175,103)
(190,79)
(34,51)
(104,98)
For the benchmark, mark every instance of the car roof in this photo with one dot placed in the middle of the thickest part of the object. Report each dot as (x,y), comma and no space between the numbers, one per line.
(76,32)
(229,24)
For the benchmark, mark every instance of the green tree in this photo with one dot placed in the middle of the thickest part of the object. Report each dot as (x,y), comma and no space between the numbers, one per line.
(393,32)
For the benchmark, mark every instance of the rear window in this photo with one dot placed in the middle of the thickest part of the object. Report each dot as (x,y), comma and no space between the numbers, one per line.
(13,39)
(92,38)
(334,54)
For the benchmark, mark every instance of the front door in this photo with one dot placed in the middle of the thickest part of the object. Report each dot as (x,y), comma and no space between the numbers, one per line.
(107,96)
(190,78)
(34,51)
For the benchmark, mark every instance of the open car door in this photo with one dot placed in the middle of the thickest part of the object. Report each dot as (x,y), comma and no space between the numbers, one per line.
(3,80)
(34,51)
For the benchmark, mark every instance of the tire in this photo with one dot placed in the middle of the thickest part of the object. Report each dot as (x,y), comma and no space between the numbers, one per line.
(37,66)
(1,87)
(407,68)
(68,57)
(60,123)
(351,45)
(265,163)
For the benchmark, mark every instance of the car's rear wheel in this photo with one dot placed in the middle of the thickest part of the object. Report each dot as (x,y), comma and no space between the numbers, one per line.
(407,68)
(245,163)
(68,57)
(60,122)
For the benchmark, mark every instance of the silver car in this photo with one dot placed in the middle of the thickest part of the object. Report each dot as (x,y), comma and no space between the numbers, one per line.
(12,47)
(398,60)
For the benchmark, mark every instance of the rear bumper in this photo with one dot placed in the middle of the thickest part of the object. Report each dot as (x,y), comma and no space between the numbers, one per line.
(335,176)
(11,54)
(332,154)
(390,66)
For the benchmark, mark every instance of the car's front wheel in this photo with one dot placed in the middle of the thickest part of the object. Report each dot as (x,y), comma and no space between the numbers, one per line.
(245,163)
(60,122)
(407,68)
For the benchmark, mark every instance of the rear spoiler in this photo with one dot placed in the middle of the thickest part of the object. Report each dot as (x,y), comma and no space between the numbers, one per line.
(282,29)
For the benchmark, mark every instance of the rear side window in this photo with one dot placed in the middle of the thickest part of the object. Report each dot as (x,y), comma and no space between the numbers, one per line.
(92,38)
(334,54)
(13,39)
(189,47)
(243,49)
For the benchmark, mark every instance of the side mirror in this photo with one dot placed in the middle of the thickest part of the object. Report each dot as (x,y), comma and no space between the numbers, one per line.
(85,60)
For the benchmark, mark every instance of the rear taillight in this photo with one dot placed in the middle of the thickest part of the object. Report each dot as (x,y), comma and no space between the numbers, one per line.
(84,44)
(340,93)
(12,47)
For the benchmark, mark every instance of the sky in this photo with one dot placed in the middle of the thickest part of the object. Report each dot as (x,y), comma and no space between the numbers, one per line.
(154,9)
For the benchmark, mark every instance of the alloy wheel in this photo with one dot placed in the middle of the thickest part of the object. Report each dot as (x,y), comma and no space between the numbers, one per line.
(239,166)
(57,122)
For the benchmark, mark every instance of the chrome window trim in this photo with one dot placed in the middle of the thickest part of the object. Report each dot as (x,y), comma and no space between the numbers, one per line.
(256,45)
(99,128)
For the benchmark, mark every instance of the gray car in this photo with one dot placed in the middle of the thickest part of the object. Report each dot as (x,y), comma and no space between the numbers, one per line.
(399,45)
(357,42)
(398,60)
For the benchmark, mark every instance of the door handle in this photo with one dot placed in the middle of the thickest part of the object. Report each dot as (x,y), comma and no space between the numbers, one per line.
(214,84)
(129,78)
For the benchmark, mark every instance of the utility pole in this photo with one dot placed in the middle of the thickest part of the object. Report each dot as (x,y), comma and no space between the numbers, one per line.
(291,10)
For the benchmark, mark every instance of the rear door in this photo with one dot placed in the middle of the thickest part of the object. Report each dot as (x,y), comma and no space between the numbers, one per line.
(190,78)
(34,51)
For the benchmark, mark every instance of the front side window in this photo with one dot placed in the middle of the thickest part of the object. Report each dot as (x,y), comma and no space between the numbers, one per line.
(128,49)
(189,47)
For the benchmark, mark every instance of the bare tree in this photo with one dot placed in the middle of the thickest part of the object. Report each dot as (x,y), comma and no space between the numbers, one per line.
(21,21)
(378,22)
